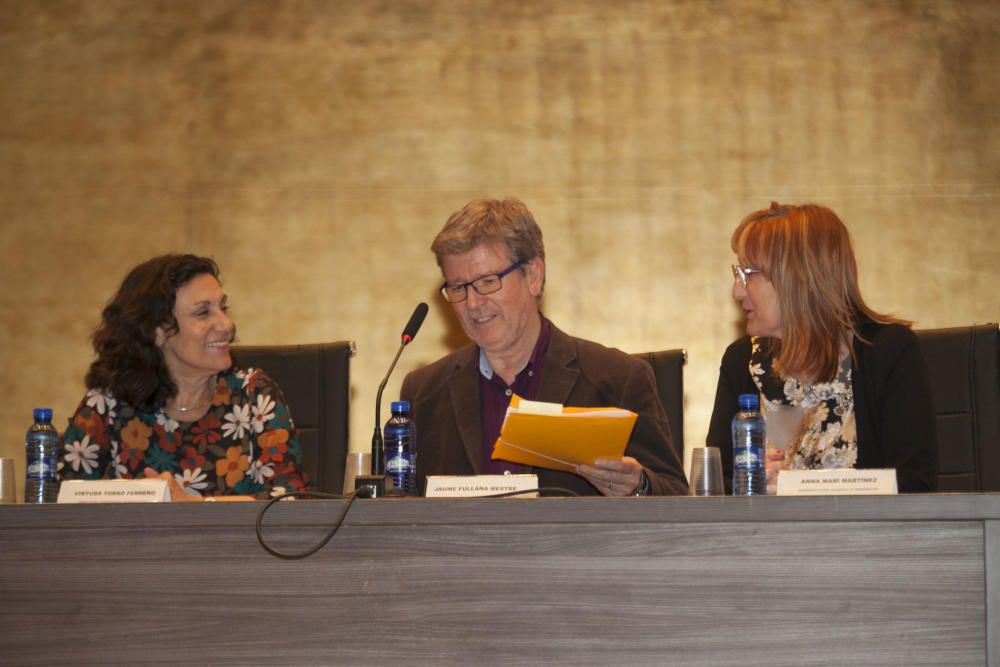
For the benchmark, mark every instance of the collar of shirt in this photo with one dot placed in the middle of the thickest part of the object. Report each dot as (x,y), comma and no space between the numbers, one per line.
(534,361)
(494,397)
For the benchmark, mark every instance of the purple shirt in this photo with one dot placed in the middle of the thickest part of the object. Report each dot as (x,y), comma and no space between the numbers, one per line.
(494,397)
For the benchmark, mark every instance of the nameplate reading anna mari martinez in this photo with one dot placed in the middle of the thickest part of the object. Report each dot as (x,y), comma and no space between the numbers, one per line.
(114,491)
(838,482)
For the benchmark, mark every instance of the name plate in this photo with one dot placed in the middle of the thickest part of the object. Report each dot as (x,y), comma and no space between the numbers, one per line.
(114,491)
(838,482)
(475,486)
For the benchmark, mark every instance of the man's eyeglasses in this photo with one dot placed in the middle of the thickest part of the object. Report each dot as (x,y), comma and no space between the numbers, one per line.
(485,285)
(743,274)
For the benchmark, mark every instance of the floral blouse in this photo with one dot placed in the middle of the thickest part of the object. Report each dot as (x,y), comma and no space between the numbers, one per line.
(828,438)
(244,445)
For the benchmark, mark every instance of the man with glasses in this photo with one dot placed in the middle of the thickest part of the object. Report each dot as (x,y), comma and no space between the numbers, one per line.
(493,260)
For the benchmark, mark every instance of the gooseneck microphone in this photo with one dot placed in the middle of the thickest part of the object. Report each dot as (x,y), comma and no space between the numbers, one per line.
(409,333)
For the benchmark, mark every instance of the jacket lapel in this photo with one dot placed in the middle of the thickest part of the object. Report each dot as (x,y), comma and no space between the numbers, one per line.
(559,374)
(463,386)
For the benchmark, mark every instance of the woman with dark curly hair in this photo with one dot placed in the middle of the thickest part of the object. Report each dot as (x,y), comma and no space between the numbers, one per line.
(165,400)
(851,382)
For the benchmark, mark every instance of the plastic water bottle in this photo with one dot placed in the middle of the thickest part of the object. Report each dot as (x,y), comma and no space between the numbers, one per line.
(41,446)
(401,451)
(749,474)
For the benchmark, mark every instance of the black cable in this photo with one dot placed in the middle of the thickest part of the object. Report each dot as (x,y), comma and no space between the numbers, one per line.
(557,491)
(363,492)
(357,493)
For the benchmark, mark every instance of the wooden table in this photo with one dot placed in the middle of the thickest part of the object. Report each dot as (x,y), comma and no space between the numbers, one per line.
(903,580)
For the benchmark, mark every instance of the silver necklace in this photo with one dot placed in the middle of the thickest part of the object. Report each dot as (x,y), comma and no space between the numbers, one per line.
(196,406)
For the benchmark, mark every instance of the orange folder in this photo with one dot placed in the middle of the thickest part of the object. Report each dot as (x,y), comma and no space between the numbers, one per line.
(549,435)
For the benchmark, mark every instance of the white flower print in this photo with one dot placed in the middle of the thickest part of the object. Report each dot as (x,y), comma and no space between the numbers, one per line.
(817,416)
(848,427)
(82,453)
(260,472)
(120,468)
(100,401)
(192,481)
(262,413)
(839,457)
(829,437)
(794,392)
(237,422)
(168,424)
(248,376)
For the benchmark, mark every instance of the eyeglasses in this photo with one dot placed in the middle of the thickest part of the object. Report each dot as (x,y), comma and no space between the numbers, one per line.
(743,274)
(485,285)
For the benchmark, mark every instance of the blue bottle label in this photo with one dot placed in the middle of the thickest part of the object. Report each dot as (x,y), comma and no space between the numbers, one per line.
(748,458)
(398,465)
(40,467)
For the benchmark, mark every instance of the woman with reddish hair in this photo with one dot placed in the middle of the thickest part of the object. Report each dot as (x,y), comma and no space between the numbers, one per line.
(855,379)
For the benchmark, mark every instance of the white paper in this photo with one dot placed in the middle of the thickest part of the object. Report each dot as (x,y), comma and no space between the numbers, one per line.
(838,482)
(538,408)
(475,486)
(114,491)
(556,409)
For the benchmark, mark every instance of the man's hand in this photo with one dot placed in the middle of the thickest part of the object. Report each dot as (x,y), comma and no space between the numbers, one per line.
(613,477)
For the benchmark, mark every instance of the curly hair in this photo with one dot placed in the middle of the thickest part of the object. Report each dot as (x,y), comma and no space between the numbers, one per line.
(129,364)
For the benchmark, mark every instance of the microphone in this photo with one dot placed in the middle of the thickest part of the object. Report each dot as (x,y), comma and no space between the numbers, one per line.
(377,479)
(413,326)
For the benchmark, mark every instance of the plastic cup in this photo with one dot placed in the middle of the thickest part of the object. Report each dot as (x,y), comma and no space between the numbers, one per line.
(8,486)
(706,472)
(358,463)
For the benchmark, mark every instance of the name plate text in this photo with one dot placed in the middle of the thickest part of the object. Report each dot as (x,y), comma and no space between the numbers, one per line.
(475,486)
(838,482)
(114,491)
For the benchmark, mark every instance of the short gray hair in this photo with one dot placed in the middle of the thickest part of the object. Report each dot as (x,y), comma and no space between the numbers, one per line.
(486,220)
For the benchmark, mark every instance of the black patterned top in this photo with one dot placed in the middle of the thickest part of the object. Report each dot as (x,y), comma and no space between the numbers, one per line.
(828,437)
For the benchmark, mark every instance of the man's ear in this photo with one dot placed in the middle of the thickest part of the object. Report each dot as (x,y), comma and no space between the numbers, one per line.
(534,271)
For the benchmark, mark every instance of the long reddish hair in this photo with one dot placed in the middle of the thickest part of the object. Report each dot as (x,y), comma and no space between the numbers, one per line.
(805,251)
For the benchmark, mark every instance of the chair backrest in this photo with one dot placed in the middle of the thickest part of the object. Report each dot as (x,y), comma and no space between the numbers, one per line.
(668,368)
(965,383)
(316,382)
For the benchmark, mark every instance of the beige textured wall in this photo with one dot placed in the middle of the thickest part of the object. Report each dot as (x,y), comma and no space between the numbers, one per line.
(315,148)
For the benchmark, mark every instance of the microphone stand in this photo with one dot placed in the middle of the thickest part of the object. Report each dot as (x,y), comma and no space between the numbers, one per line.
(378,446)
(374,484)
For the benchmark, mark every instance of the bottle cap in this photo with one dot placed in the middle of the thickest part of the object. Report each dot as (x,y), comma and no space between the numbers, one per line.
(43,414)
(748,402)
(400,407)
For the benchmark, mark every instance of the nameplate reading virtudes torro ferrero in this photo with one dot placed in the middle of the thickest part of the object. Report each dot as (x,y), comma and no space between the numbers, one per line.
(114,491)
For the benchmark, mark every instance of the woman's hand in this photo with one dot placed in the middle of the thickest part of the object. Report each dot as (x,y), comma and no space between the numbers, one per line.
(613,477)
(775,463)
(177,492)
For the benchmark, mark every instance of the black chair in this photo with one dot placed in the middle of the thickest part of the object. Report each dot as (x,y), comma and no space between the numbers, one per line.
(965,383)
(316,381)
(668,368)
